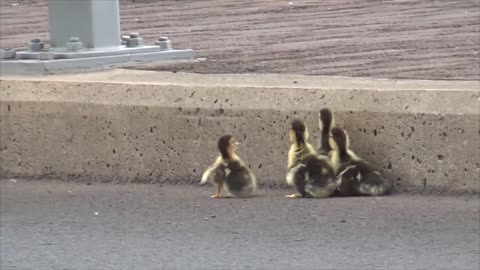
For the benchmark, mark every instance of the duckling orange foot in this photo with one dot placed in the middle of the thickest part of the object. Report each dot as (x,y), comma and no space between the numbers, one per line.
(293,196)
(216,196)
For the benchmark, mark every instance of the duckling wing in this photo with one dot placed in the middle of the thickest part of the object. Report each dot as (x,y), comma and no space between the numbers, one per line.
(294,172)
(213,174)
(358,178)
(346,182)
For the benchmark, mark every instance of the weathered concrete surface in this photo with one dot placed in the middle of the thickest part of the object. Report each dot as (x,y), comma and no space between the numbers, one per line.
(53,225)
(154,127)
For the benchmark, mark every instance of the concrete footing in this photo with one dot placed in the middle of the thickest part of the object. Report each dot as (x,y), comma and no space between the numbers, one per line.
(127,125)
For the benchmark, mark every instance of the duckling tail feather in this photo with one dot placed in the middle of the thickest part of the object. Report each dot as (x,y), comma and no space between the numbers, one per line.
(375,185)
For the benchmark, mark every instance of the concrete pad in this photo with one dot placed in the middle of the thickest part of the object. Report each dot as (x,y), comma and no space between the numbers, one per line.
(127,125)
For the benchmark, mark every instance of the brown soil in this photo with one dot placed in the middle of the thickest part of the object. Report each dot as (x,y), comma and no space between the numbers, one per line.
(396,39)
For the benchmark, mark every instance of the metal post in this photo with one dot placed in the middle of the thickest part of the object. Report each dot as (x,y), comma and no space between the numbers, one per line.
(95,22)
(85,35)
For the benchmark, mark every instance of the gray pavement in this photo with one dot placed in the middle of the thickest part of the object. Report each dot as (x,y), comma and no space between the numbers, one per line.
(57,225)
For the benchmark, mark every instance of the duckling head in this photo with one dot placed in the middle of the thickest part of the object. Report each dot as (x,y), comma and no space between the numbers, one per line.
(298,132)
(227,145)
(326,119)
(339,139)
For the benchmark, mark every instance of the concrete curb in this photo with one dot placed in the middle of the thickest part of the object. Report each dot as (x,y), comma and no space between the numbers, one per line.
(143,126)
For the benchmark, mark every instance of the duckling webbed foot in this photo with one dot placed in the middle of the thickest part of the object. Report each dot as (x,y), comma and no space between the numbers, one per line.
(295,195)
(216,196)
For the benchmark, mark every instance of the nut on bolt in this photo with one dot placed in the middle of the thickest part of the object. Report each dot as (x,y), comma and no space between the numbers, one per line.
(134,40)
(125,40)
(134,35)
(164,43)
(7,53)
(74,44)
(35,45)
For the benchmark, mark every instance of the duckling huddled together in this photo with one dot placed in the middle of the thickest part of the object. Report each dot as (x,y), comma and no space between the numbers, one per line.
(332,170)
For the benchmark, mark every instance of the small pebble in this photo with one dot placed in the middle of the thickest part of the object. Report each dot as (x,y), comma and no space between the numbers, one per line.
(213,216)
(343,221)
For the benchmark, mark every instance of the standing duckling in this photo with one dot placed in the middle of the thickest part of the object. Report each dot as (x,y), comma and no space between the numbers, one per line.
(325,121)
(230,172)
(311,175)
(354,176)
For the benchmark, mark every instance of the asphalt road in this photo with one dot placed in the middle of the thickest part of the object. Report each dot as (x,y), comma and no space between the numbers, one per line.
(55,225)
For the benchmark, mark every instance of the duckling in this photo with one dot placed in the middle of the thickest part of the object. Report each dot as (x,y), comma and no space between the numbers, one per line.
(354,176)
(229,172)
(312,175)
(325,121)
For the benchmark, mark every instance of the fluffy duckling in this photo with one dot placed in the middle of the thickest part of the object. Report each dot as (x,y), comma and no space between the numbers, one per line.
(325,121)
(229,172)
(311,175)
(354,176)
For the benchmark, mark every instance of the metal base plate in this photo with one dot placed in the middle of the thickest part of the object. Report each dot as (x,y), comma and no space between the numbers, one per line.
(100,61)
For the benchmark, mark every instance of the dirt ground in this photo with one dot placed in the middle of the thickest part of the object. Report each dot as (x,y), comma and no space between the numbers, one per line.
(434,39)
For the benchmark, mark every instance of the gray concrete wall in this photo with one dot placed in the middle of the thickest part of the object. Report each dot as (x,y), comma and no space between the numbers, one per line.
(162,127)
